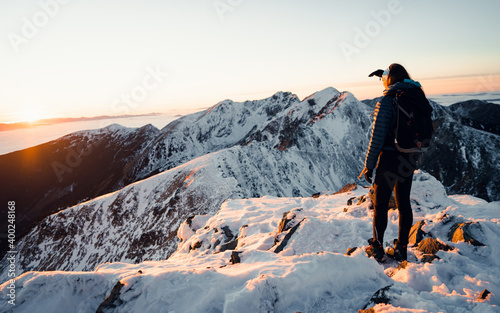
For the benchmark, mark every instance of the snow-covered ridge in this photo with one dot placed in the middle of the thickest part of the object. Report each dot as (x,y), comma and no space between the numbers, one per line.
(229,262)
(280,146)
(140,221)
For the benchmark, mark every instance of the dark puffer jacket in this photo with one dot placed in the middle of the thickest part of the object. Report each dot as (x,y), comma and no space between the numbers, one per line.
(382,137)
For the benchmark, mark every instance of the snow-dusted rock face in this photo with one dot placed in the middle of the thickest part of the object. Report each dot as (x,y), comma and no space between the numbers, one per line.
(300,149)
(219,127)
(478,114)
(229,262)
(464,155)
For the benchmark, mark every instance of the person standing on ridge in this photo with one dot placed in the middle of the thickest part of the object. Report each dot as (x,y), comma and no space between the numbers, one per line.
(394,170)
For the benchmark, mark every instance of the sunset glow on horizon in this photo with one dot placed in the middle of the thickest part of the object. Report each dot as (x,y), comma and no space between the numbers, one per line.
(73,59)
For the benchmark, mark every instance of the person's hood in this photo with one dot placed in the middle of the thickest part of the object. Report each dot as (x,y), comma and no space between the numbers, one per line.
(406,84)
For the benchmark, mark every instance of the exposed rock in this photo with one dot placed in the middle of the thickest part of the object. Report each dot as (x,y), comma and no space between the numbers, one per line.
(378,297)
(402,265)
(231,241)
(242,229)
(462,167)
(189,220)
(465,232)
(347,188)
(349,202)
(446,218)
(478,114)
(284,242)
(483,295)
(227,232)
(195,246)
(362,199)
(229,245)
(113,300)
(288,224)
(351,250)
(429,258)
(288,221)
(432,246)
(393,271)
(416,233)
(235,257)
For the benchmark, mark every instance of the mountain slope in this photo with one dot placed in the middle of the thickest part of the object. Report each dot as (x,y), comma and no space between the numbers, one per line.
(83,165)
(219,127)
(464,158)
(478,114)
(230,262)
(139,222)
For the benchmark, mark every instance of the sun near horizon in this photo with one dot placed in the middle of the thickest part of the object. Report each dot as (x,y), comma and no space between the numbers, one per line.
(30,114)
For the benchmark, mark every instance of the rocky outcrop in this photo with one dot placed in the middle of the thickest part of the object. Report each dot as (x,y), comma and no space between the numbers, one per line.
(417,234)
(382,295)
(287,228)
(466,232)
(429,247)
(113,300)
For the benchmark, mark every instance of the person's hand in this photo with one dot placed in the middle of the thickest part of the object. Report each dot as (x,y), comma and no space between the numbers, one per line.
(368,175)
(377,73)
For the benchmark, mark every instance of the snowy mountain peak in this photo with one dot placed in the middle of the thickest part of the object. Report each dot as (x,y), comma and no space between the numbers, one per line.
(322,95)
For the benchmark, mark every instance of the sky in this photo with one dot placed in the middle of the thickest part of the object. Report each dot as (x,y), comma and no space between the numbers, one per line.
(68,58)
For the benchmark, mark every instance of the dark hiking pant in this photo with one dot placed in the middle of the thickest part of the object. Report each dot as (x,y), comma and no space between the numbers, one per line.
(394,172)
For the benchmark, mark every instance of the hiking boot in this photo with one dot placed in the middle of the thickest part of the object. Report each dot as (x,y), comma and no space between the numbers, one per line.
(375,250)
(398,251)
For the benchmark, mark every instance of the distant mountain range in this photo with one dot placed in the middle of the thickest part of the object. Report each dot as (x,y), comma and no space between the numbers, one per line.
(58,120)
(140,184)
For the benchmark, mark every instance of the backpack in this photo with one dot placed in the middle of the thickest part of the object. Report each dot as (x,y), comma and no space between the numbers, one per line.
(413,127)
